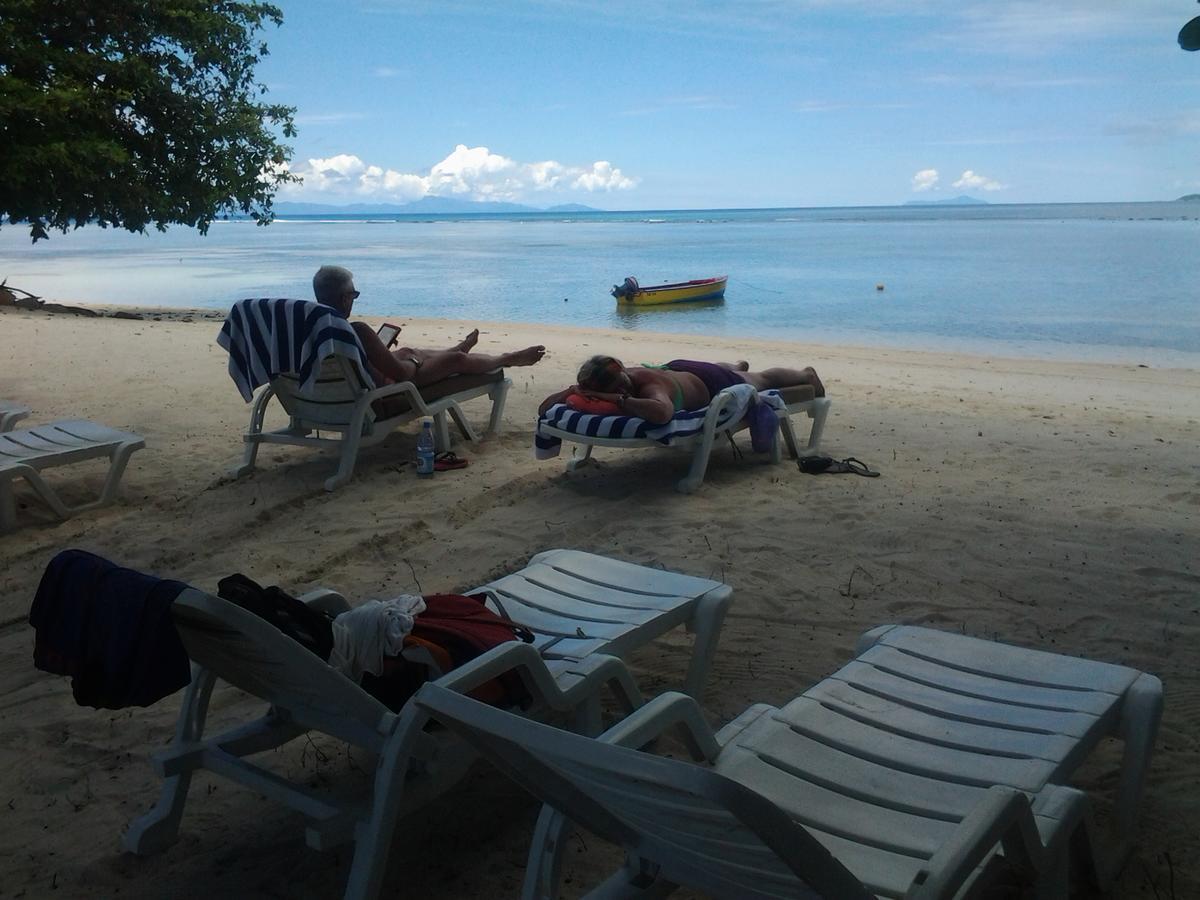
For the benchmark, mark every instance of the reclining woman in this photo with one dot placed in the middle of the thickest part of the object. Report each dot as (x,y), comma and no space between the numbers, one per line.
(656,393)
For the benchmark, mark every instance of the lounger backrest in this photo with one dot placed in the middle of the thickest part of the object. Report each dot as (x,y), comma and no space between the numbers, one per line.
(333,397)
(257,657)
(701,828)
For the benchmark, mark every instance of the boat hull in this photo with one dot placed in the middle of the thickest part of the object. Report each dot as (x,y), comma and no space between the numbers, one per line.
(682,292)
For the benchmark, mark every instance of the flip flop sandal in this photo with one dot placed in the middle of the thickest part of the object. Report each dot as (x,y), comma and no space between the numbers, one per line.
(815,465)
(858,467)
(447,460)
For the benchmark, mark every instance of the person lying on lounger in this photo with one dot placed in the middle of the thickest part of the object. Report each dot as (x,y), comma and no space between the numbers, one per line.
(656,393)
(334,286)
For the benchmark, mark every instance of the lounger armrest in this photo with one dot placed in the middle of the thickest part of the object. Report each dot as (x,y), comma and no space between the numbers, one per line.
(526,661)
(661,714)
(326,600)
(715,407)
(400,387)
(1003,816)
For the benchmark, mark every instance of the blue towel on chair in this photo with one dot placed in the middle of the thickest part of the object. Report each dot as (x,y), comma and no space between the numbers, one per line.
(268,337)
(687,423)
(110,629)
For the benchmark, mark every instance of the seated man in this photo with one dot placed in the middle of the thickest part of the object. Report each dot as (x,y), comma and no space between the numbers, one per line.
(334,286)
(655,393)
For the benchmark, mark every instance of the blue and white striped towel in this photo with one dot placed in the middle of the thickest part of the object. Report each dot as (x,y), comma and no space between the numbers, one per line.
(687,423)
(266,337)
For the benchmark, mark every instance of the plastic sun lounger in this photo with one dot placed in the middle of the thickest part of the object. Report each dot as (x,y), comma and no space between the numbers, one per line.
(798,399)
(27,451)
(585,610)
(11,414)
(902,775)
(342,403)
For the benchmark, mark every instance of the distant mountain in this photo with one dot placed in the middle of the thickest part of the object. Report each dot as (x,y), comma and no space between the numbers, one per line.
(1188,198)
(960,200)
(426,205)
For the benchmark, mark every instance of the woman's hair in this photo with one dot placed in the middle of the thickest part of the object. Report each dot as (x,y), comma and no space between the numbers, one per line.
(599,373)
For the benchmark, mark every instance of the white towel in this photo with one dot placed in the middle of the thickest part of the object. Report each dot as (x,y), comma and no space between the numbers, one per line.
(363,636)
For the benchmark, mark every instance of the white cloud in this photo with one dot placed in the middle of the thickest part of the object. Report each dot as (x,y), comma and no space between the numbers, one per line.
(924,180)
(976,181)
(603,177)
(473,173)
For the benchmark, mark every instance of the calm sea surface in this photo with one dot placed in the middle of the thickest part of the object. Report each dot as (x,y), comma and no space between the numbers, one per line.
(1113,282)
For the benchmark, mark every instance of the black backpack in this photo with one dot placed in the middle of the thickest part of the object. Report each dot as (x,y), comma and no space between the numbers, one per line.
(307,626)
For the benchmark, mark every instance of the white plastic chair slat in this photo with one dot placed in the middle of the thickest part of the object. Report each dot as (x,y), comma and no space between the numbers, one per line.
(949,704)
(913,668)
(906,754)
(1017,664)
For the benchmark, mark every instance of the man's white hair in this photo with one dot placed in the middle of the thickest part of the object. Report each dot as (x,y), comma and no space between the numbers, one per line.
(331,282)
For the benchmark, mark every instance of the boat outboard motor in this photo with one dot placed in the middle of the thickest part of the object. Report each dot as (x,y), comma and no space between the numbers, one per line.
(628,289)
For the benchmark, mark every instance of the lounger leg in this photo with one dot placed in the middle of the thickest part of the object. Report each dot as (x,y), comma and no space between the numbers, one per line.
(348,456)
(118,461)
(695,475)
(464,427)
(788,433)
(706,623)
(8,506)
(374,837)
(576,461)
(818,411)
(545,856)
(257,413)
(441,432)
(159,828)
(1140,715)
(498,395)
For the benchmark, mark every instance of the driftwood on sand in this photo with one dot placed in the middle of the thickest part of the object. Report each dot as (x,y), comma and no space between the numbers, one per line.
(8,297)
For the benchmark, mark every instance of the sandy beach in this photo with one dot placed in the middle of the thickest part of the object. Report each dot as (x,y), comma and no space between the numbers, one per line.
(1048,504)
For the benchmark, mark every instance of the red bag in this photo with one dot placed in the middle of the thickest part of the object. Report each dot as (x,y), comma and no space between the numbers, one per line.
(453,629)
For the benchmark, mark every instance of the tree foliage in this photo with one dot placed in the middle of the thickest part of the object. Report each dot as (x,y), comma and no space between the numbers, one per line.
(131,112)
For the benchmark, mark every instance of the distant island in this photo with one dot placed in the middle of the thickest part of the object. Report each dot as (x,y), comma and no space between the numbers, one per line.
(426,205)
(960,200)
(1188,198)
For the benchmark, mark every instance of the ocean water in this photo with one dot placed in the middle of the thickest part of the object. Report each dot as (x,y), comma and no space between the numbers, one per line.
(1110,282)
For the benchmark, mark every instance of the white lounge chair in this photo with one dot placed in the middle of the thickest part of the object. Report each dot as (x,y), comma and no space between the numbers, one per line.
(309,358)
(729,834)
(10,414)
(341,402)
(901,775)
(27,451)
(582,609)
(719,419)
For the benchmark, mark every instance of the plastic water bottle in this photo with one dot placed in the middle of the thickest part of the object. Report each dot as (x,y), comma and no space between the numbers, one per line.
(425,448)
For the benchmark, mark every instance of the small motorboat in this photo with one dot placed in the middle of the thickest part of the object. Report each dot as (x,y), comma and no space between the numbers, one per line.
(680,292)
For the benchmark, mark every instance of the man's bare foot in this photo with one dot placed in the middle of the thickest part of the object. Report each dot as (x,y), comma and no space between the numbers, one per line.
(527,357)
(742,366)
(468,342)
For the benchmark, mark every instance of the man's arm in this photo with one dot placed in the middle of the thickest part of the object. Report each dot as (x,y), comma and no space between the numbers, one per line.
(656,407)
(382,361)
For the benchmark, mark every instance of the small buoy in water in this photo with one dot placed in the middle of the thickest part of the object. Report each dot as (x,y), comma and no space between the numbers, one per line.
(879,287)
(565,300)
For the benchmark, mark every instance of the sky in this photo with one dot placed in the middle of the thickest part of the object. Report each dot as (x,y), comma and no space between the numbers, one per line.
(645,104)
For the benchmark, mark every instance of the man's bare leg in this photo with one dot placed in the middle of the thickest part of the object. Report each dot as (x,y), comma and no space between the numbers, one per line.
(467,343)
(442,364)
(781,378)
